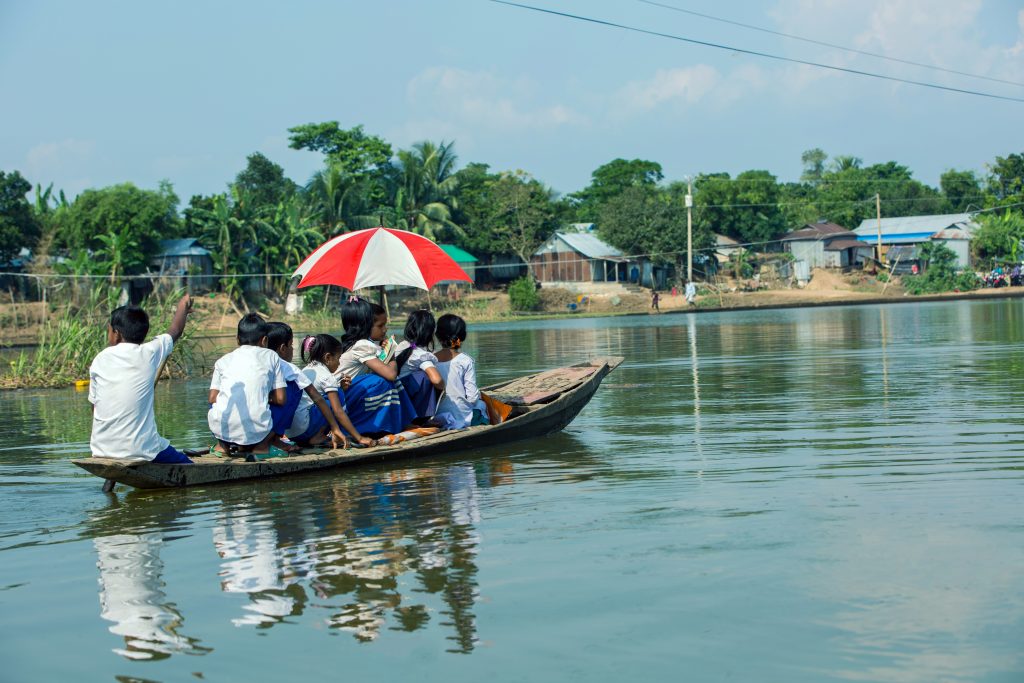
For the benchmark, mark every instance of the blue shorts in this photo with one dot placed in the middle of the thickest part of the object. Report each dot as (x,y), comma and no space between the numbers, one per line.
(172,456)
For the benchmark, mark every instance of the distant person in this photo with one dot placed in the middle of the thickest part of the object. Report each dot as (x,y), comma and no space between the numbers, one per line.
(122,378)
(675,291)
(293,418)
(462,405)
(245,383)
(690,293)
(655,298)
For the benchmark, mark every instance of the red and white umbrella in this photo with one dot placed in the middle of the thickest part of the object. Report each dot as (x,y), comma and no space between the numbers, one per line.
(379,256)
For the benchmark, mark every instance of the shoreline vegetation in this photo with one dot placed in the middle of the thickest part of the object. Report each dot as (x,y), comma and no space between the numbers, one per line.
(56,349)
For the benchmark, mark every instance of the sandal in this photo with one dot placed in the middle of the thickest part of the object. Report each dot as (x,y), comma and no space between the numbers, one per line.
(272,452)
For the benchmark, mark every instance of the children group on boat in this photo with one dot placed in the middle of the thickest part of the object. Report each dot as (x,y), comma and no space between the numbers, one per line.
(362,388)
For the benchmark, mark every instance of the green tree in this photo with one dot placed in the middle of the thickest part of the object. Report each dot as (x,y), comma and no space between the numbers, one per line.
(814,166)
(231,241)
(19,227)
(1006,180)
(352,151)
(961,189)
(264,181)
(523,213)
(745,208)
(425,190)
(612,179)
(998,238)
(133,221)
(340,201)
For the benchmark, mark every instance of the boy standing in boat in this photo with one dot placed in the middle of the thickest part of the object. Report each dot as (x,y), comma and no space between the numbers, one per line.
(121,382)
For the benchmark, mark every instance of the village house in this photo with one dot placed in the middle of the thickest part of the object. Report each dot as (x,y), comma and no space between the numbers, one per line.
(186,259)
(826,245)
(572,258)
(955,230)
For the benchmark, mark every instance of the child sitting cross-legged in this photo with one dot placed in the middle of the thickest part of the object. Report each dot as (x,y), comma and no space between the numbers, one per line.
(121,383)
(462,405)
(301,395)
(246,382)
(321,355)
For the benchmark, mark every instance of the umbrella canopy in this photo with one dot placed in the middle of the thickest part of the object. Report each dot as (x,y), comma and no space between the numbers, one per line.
(379,256)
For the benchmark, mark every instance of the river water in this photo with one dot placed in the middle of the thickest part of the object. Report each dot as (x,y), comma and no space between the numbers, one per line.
(790,495)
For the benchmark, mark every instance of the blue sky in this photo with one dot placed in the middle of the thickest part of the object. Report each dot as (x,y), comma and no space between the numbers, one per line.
(104,92)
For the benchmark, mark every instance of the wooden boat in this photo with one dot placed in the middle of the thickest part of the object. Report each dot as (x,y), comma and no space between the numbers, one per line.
(541,404)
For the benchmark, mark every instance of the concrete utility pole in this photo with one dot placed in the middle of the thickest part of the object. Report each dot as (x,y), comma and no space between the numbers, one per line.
(689,230)
(878,211)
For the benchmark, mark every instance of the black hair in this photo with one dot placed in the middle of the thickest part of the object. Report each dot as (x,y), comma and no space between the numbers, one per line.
(377,309)
(449,328)
(251,329)
(131,322)
(315,348)
(278,335)
(357,319)
(419,329)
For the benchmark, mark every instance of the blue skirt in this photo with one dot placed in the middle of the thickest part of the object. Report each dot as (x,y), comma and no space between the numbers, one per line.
(421,393)
(376,405)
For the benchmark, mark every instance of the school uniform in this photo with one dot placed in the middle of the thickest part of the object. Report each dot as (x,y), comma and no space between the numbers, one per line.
(417,385)
(121,382)
(374,404)
(244,379)
(283,415)
(308,419)
(461,394)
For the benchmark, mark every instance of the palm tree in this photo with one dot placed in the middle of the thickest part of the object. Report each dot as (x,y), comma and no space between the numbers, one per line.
(425,187)
(231,239)
(294,234)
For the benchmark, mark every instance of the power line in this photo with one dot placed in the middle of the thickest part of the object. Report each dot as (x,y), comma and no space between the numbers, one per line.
(826,44)
(756,53)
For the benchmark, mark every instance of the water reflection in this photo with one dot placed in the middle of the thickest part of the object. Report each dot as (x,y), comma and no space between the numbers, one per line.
(132,597)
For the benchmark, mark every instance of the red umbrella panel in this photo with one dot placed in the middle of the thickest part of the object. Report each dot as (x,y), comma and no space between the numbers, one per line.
(379,256)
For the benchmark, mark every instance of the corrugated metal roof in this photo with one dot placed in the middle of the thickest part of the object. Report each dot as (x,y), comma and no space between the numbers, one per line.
(188,246)
(840,244)
(587,244)
(458,255)
(905,225)
(952,234)
(817,231)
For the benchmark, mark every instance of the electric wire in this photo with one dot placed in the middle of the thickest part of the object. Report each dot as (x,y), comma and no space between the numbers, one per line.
(827,44)
(756,53)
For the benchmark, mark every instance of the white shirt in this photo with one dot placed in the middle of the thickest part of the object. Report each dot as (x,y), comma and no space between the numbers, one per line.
(293,374)
(121,380)
(323,381)
(419,359)
(460,390)
(245,377)
(353,361)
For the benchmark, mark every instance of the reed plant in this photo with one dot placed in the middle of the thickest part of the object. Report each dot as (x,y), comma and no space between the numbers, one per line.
(69,341)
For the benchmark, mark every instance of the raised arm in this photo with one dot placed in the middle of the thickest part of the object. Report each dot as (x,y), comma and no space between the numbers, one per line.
(180,316)
(388,371)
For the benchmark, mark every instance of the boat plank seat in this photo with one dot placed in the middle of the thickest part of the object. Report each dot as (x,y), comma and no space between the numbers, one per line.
(543,387)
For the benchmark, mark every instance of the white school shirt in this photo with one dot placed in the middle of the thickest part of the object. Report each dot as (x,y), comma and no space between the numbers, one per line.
(353,361)
(460,390)
(419,359)
(121,380)
(323,381)
(245,377)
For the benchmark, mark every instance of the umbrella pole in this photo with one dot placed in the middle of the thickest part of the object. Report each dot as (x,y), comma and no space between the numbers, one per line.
(384,300)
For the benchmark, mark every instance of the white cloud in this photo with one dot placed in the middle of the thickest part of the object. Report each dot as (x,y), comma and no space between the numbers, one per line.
(483,99)
(52,158)
(685,85)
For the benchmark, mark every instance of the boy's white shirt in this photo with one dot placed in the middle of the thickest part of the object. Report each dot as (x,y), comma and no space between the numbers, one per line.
(244,379)
(121,380)
(322,381)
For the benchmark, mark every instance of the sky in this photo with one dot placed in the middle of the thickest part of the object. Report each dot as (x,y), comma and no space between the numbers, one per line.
(106,92)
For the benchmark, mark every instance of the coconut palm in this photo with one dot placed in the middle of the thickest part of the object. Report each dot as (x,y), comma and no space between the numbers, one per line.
(231,239)
(425,189)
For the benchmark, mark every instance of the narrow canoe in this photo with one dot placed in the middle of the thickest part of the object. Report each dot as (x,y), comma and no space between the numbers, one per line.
(541,403)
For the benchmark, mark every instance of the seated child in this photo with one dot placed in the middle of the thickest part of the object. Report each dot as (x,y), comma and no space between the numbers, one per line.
(246,382)
(375,401)
(300,397)
(122,378)
(461,405)
(321,354)
(417,366)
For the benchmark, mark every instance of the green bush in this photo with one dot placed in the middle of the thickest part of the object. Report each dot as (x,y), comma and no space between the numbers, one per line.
(940,274)
(522,294)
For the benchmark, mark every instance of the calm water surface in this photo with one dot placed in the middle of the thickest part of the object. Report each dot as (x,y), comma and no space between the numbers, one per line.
(800,495)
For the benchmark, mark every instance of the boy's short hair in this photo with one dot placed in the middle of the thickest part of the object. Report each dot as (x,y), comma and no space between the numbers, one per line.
(131,322)
(251,329)
(278,335)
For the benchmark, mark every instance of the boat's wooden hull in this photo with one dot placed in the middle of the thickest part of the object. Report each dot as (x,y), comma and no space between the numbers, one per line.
(530,421)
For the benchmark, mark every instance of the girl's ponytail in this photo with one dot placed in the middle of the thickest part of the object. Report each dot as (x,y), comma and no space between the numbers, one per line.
(305,351)
(315,348)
